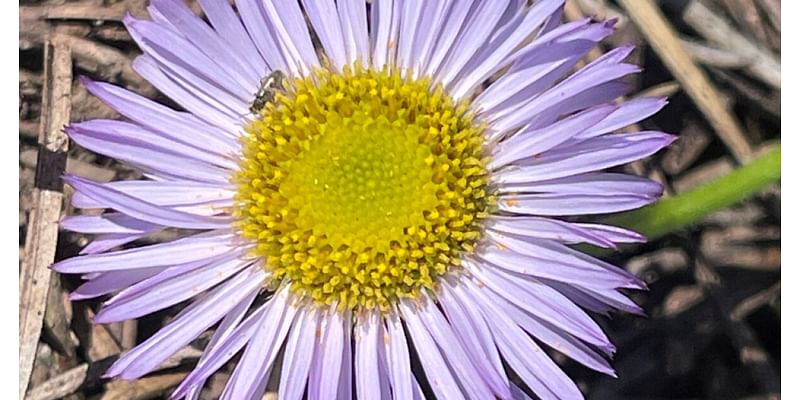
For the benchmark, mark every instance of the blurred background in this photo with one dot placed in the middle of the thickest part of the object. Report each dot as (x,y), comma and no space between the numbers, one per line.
(714,316)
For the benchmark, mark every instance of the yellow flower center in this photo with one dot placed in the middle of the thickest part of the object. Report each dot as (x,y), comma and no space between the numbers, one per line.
(362,187)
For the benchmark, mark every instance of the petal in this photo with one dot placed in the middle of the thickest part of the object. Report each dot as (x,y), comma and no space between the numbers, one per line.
(250,375)
(105,242)
(193,248)
(397,358)
(530,142)
(228,26)
(385,19)
(368,383)
(328,29)
(179,126)
(225,329)
(324,377)
(288,25)
(255,21)
(522,354)
(566,256)
(204,106)
(147,157)
(613,233)
(106,223)
(497,52)
(548,228)
(353,18)
(543,302)
(592,183)
(298,354)
(558,204)
(591,155)
(188,283)
(143,210)
(177,55)
(448,33)
(481,22)
(108,282)
(162,193)
(207,41)
(194,320)
(628,113)
(475,337)
(471,381)
(439,376)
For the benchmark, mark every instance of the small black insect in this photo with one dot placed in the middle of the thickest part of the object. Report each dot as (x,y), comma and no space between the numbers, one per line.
(270,85)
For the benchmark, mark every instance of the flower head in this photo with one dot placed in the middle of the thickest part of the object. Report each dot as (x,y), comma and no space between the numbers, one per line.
(397,190)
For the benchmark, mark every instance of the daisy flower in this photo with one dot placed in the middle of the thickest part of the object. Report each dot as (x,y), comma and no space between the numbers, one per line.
(359,185)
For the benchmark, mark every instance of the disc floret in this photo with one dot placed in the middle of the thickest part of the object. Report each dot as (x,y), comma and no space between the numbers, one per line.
(362,187)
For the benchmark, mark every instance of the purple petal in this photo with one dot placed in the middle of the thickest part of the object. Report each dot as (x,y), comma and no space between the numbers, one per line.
(162,193)
(448,34)
(548,228)
(385,24)
(433,362)
(397,358)
(324,377)
(592,183)
(482,21)
(105,242)
(288,25)
(410,21)
(497,51)
(530,142)
(475,337)
(198,317)
(212,45)
(544,302)
(298,354)
(179,126)
(557,204)
(628,113)
(471,381)
(328,29)
(553,269)
(228,26)
(143,210)
(566,256)
(432,18)
(108,282)
(106,223)
(522,354)
(345,389)
(353,18)
(148,156)
(182,58)
(205,107)
(255,20)
(193,248)
(591,155)
(368,383)
(614,234)
(250,375)
(221,333)
(188,283)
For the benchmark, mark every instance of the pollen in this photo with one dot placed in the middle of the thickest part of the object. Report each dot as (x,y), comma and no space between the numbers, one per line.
(362,187)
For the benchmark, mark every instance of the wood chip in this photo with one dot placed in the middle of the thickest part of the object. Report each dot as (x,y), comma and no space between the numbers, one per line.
(42,235)
(714,28)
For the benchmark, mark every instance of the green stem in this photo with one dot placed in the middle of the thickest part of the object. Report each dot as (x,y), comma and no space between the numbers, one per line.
(671,214)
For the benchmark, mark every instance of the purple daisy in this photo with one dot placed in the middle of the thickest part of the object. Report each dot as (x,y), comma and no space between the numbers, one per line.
(395,191)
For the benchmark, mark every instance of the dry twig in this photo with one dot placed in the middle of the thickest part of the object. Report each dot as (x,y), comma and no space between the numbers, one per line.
(40,244)
(661,36)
